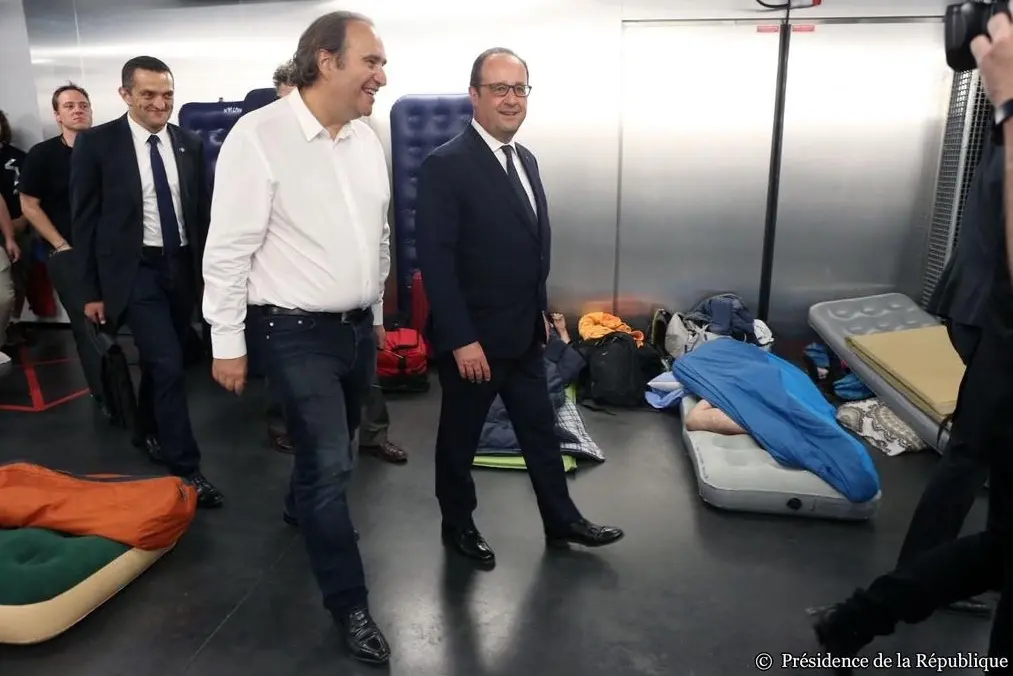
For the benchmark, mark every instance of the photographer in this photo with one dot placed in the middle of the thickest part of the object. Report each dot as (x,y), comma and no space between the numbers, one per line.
(968,566)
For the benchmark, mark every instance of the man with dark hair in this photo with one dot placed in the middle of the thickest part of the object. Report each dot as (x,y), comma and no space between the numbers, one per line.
(45,201)
(484,249)
(140,207)
(296,260)
(375,416)
(17,242)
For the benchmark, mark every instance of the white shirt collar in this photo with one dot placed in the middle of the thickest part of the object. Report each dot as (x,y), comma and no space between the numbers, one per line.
(141,135)
(310,125)
(494,144)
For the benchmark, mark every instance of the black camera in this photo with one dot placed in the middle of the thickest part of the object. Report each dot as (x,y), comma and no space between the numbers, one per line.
(964,22)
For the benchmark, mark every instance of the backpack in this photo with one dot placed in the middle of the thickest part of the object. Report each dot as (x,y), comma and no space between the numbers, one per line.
(615,373)
(402,365)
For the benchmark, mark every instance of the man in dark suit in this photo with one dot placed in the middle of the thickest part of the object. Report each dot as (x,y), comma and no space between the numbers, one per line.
(962,299)
(484,249)
(140,206)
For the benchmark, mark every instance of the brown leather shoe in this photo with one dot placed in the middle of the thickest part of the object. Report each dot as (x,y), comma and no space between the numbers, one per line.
(387,451)
(279,440)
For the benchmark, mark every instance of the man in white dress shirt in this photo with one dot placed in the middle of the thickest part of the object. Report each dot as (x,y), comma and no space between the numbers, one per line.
(298,252)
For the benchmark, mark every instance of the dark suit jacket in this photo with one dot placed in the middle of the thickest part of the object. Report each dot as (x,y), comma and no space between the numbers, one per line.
(483,262)
(975,277)
(107,214)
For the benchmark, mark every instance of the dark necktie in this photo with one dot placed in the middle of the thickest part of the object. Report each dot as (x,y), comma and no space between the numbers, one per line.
(515,183)
(166,212)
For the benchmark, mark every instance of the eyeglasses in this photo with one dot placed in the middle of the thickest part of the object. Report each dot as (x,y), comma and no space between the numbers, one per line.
(500,89)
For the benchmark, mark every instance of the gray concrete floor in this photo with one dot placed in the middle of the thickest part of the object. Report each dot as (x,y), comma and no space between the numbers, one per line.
(691,591)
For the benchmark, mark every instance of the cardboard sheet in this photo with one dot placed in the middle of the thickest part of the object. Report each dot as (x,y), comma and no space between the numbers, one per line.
(920,362)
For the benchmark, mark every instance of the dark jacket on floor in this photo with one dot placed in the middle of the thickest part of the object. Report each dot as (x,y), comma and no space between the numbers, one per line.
(562,366)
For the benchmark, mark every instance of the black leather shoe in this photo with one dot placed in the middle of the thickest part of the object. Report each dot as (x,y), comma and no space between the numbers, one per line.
(971,607)
(837,634)
(294,522)
(585,533)
(469,543)
(207,494)
(363,638)
(150,445)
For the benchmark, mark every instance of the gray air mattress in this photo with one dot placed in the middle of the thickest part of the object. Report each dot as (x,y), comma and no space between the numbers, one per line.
(734,472)
(835,320)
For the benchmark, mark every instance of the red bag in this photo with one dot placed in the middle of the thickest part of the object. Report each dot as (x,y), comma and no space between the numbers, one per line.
(403,363)
(420,308)
(146,513)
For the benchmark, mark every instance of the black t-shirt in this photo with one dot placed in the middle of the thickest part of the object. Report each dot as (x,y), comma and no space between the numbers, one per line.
(45,175)
(11,159)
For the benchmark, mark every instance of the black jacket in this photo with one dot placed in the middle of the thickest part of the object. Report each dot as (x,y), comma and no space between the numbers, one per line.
(484,264)
(107,214)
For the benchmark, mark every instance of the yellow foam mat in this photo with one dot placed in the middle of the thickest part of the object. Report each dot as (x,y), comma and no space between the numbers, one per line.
(921,363)
(516,462)
(39,622)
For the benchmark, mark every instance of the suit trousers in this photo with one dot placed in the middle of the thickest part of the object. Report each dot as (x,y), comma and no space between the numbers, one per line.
(971,565)
(957,479)
(62,268)
(158,313)
(319,369)
(522,386)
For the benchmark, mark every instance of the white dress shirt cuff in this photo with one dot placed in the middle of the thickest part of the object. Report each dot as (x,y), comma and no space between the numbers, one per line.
(378,314)
(228,346)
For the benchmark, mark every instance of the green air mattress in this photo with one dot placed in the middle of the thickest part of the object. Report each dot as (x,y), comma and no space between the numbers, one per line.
(37,565)
(50,581)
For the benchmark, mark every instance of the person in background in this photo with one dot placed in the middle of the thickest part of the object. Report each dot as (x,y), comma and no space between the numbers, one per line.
(296,259)
(11,161)
(375,416)
(283,76)
(483,242)
(45,202)
(140,202)
(8,252)
(964,567)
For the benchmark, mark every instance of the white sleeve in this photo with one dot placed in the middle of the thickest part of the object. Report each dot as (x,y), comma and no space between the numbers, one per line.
(384,239)
(240,211)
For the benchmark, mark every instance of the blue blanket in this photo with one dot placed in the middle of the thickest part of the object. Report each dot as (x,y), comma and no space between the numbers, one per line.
(782,409)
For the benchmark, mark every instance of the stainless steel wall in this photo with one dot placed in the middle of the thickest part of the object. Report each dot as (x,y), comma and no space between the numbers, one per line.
(652,131)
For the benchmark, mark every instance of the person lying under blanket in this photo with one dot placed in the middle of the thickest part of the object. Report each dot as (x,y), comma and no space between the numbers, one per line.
(705,417)
(563,365)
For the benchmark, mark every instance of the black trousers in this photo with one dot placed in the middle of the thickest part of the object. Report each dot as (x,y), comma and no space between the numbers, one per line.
(521,384)
(158,314)
(971,565)
(62,273)
(957,479)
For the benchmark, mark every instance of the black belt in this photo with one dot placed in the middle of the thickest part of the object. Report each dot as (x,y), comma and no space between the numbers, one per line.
(348,317)
(161,252)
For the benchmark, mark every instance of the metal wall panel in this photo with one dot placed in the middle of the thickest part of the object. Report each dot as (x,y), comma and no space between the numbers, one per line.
(864,116)
(695,160)
(693,10)
(864,9)
(225,48)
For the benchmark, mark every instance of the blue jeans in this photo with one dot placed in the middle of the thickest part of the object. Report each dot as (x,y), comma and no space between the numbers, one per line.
(319,365)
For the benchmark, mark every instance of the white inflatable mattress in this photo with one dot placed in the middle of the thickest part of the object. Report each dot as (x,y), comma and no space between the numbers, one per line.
(733,472)
(835,320)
